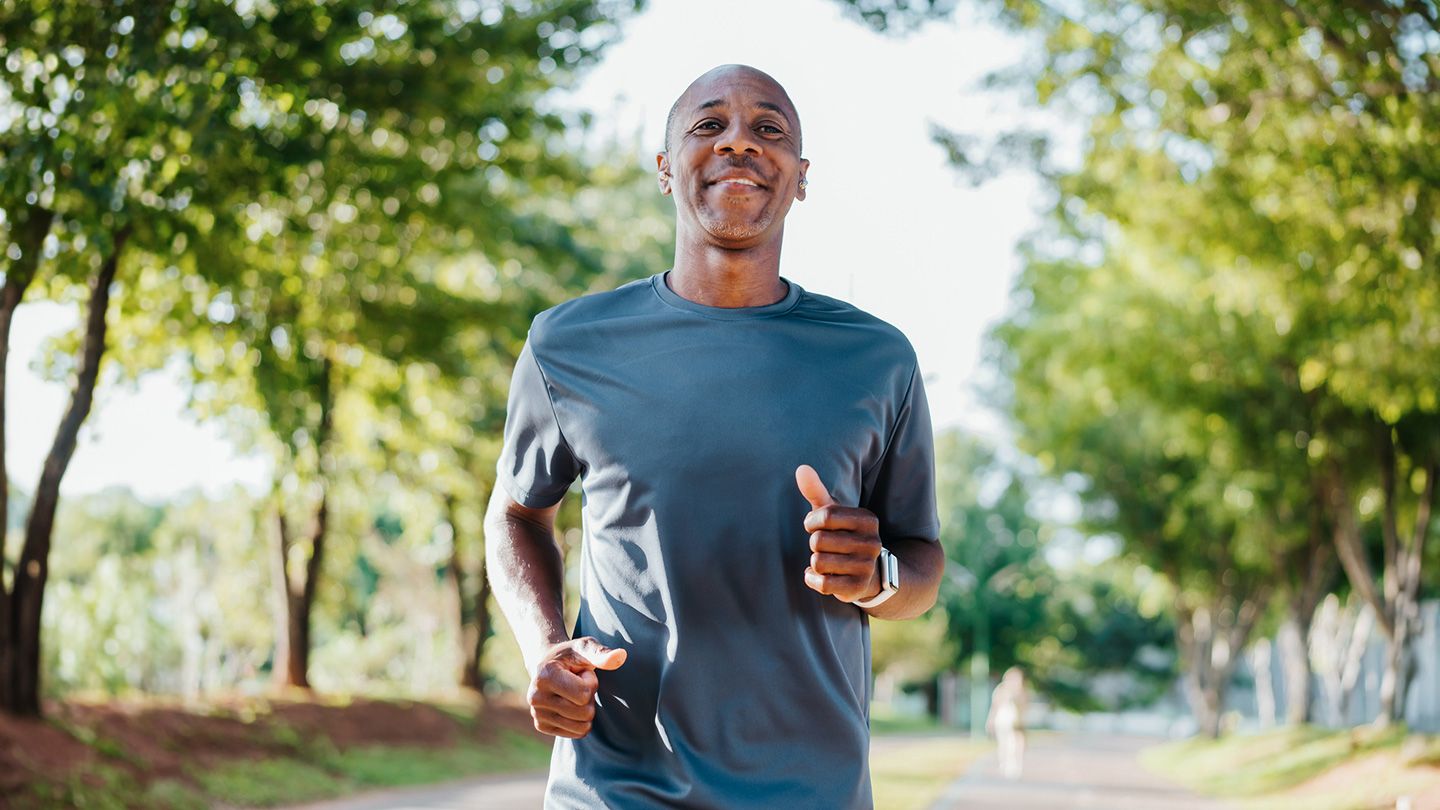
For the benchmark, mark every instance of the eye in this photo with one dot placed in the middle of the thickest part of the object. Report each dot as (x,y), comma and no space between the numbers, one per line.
(771,129)
(708,124)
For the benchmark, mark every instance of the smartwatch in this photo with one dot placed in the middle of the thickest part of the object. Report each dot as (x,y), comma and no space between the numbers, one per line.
(889,579)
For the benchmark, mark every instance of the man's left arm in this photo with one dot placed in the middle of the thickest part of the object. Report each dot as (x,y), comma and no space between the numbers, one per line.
(845,552)
(845,540)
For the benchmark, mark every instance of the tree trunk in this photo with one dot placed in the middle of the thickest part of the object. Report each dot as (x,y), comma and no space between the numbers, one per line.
(28,237)
(297,600)
(1396,601)
(1209,637)
(1317,562)
(1194,637)
(32,568)
(1295,666)
(483,630)
(1260,658)
(1338,639)
(280,575)
(474,616)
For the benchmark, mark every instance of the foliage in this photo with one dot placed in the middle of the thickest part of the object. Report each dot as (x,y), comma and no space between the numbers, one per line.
(995,596)
(155,598)
(1229,324)
(1113,641)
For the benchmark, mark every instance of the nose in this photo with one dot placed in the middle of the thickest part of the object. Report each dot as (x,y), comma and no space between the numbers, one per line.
(738,138)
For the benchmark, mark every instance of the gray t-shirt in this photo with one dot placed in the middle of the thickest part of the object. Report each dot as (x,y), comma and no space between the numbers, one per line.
(743,687)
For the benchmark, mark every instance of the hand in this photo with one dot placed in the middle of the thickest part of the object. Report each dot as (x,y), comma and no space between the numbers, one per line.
(844,543)
(562,695)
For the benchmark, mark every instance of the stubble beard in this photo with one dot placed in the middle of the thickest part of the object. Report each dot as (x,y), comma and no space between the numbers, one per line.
(733,229)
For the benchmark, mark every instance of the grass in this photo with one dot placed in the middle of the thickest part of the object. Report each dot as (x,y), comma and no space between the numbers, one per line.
(1319,769)
(387,766)
(881,724)
(913,774)
(268,782)
(265,783)
(318,771)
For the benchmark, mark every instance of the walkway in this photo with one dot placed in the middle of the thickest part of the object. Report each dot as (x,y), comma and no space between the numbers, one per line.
(1072,771)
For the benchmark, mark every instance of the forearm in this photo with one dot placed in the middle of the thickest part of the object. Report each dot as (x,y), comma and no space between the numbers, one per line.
(526,574)
(922,564)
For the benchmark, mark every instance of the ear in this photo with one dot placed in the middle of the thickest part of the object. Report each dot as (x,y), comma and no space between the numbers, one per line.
(662,162)
(799,189)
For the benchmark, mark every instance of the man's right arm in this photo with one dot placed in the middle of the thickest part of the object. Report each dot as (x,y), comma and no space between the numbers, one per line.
(526,573)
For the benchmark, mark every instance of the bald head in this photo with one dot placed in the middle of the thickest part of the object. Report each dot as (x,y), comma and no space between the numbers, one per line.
(708,79)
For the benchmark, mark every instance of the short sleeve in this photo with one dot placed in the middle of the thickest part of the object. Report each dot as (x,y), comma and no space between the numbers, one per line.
(902,494)
(536,464)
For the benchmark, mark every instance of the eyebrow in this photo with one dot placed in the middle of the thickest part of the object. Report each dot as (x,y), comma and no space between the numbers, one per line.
(764,105)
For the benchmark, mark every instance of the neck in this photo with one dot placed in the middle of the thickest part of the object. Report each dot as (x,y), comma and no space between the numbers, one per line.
(717,276)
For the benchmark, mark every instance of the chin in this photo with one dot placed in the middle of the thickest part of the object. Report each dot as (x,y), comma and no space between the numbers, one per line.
(733,230)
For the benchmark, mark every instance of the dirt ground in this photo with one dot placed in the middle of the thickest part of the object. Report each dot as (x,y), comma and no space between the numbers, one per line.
(153,740)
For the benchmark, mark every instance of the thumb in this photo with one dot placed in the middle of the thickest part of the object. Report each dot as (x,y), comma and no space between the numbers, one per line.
(598,655)
(812,487)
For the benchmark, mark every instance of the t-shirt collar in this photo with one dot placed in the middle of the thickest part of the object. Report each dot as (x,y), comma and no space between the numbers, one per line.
(670,297)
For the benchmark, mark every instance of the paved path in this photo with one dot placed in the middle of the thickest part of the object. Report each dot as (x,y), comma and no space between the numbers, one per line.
(1072,771)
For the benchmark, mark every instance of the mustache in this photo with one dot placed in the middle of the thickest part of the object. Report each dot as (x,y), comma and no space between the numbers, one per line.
(743,163)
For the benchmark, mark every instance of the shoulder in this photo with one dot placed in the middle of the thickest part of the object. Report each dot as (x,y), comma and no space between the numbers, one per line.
(846,318)
(575,317)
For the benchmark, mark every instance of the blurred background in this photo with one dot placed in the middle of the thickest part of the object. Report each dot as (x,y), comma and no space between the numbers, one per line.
(1172,271)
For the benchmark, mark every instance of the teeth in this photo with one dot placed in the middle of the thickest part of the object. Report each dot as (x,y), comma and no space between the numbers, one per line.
(742,181)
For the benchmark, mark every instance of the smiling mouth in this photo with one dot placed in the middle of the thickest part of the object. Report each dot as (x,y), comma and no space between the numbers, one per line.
(740,182)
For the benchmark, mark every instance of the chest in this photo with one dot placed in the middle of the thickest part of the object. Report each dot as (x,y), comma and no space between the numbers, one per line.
(687,416)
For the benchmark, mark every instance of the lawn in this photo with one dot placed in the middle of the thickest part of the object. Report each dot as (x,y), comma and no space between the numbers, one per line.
(265,783)
(1314,768)
(910,772)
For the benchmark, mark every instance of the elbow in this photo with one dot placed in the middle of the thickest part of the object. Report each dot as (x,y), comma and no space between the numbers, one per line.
(933,564)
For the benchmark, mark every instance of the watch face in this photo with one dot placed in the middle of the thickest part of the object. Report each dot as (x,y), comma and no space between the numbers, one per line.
(892,571)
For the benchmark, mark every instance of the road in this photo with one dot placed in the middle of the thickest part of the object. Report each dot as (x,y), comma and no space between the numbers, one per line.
(1061,772)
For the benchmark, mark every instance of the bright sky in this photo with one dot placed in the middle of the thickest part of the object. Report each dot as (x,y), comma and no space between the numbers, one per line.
(887,225)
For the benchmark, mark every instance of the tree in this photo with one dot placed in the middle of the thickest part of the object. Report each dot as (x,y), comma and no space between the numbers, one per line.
(172,135)
(994,598)
(436,421)
(1302,123)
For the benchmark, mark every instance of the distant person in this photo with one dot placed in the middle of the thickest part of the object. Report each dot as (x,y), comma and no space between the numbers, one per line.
(1007,721)
(758,473)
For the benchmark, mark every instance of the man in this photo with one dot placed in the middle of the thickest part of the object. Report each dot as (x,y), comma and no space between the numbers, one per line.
(724,422)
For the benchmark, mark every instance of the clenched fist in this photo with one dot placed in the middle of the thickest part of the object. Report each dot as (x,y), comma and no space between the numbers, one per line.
(562,694)
(844,543)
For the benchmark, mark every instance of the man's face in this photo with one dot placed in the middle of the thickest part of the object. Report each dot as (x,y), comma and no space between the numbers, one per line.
(734,163)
